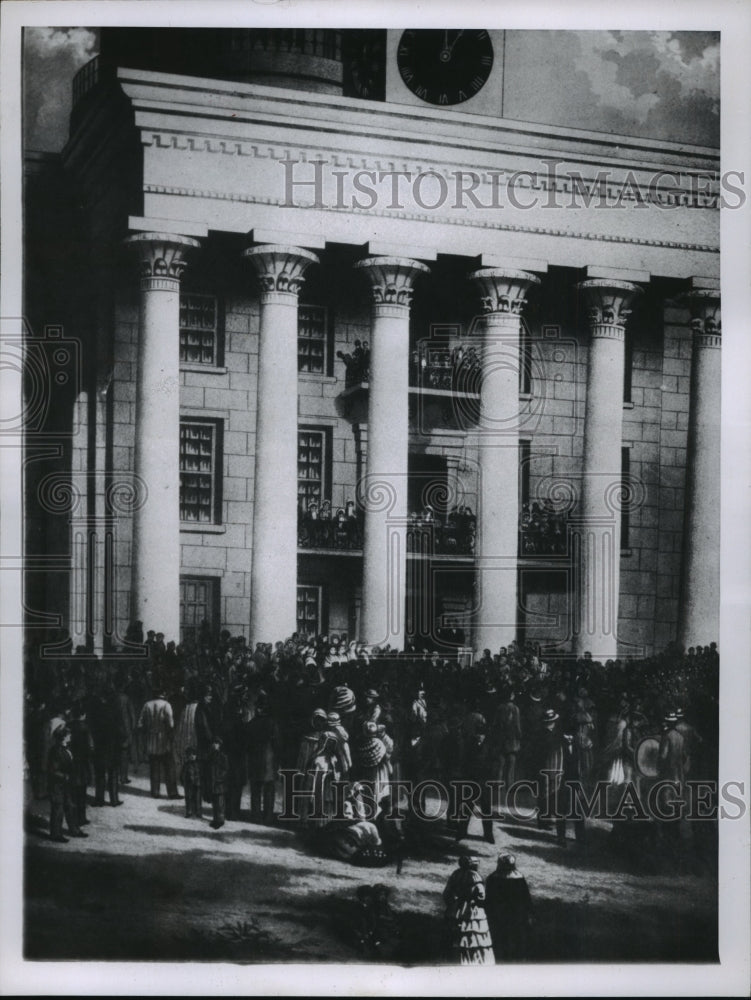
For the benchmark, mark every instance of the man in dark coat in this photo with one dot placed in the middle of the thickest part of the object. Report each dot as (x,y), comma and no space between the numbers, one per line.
(549,776)
(236,749)
(82,750)
(508,907)
(505,738)
(208,724)
(105,722)
(217,768)
(127,726)
(59,773)
(478,768)
(264,746)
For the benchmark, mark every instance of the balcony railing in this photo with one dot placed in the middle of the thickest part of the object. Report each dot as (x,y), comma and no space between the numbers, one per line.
(430,368)
(319,526)
(452,535)
(85,79)
(542,530)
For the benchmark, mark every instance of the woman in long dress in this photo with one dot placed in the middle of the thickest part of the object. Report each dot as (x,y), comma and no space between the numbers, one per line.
(318,762)
(469,937)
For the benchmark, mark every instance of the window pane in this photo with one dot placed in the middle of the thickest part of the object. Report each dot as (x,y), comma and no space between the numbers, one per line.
(310,468)
(198,329)
(197,472)
(311,339)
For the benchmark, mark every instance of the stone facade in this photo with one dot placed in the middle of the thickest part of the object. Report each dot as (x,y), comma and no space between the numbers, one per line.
(568,293)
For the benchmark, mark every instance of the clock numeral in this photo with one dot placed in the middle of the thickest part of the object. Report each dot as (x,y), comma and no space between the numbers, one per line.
(403,50)
(482,35)
(407,74)
(421,92)
(462,96)
(477,82)
(486,61)
(443,99)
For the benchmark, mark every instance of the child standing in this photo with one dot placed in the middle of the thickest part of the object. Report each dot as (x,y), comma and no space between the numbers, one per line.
(190,779)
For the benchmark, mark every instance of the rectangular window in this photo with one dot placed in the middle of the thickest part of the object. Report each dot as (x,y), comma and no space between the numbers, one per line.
(199,603)
(525,361)
(200,443)
(312,340)
(312,465)
(525,460)
(309,610)
(628,368)
(199,329)
(625,508)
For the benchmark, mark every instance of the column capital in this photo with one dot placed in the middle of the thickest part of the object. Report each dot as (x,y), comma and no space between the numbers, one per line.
(503,290)
(706,319)
(280,269)
(392,281)
(608,301)
(161,258)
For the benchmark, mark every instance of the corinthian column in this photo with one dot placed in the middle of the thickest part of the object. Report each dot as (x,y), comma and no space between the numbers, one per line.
(700,604)
(503,297)
(273,576)
(383,492)
(596,614)
(155,598)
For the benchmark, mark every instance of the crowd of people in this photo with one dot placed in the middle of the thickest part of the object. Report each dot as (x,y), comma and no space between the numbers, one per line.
(449,370)
(344,722)
(542,529)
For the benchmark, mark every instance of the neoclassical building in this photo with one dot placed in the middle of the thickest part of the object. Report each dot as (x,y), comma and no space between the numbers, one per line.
(342,349)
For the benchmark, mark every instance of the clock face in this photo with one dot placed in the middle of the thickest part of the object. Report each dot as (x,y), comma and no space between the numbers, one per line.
(445,67)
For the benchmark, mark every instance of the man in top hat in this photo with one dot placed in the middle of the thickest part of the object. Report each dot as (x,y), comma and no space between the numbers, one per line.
(505,737)
(691,741)
(671,767)
(477,767)
(264,745)
(157,723)
(551,768)
(218,773)
(508,906)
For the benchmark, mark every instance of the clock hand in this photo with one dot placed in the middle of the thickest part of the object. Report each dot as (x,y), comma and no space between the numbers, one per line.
(459,35)
(445,54)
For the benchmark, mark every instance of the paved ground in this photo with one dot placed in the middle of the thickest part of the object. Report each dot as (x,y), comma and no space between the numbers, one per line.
(149,884)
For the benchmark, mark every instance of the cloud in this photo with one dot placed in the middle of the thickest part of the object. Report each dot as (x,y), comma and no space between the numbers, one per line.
(662,85)
(51,58)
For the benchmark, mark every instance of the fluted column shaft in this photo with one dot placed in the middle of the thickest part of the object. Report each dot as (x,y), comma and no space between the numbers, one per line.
(273,577)
(596,613)
(700,603)
(155,596)
(383,491)
(503,296)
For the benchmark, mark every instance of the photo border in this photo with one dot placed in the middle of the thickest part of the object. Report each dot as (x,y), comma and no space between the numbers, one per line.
(731,977)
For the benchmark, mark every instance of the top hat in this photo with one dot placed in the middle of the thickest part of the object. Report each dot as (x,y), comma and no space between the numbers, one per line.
(550,715)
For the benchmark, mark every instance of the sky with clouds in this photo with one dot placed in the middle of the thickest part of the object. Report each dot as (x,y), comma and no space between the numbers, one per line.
(661,85)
